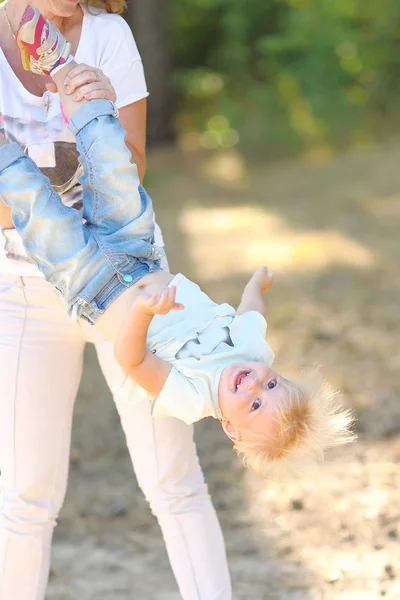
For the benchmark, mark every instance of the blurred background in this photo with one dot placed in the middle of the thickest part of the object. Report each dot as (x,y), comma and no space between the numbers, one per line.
(272,77)
(273,138)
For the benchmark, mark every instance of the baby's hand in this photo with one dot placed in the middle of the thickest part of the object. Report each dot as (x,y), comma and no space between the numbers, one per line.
(263,277)
(160,304)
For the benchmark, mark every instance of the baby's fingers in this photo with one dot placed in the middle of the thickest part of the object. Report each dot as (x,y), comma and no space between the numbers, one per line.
(167,301)
(152,301)
(173,305)
(178,306)
(161,301)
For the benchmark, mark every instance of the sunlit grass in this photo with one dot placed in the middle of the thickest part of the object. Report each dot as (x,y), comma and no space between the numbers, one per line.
(235,240)
(387,207)
(226,169)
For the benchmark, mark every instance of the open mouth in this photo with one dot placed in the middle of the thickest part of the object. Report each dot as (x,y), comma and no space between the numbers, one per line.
(239,379)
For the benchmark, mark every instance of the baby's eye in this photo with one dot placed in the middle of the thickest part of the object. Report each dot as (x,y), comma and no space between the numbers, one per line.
(256,404)
(271,384)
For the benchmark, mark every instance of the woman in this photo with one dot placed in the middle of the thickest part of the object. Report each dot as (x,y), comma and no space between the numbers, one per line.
(41,349)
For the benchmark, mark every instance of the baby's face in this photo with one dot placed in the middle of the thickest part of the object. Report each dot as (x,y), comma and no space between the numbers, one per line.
(249,394)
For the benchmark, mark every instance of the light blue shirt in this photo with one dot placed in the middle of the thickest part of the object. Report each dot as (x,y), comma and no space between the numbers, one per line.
(199,342)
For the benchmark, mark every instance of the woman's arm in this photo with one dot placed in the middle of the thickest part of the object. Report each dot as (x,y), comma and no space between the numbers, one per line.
(133,120)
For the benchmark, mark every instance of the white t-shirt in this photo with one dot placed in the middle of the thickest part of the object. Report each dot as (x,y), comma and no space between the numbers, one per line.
(199,342)
(38,126)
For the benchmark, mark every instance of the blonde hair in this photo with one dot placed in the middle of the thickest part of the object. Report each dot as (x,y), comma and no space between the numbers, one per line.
(312,421)
(111,6)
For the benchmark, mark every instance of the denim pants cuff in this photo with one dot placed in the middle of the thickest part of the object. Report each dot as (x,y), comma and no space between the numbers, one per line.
(9,153)
(90,111)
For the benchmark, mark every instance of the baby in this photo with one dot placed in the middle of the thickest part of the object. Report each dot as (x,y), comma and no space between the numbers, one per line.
(190,356)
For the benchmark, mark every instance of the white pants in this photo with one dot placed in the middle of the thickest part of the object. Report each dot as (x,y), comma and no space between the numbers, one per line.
(41,356)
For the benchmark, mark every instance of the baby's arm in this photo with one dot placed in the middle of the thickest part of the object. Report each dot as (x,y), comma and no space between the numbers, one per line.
(146,369)
(253,294)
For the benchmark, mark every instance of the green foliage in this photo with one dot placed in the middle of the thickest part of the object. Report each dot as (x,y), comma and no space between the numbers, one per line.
(286,74)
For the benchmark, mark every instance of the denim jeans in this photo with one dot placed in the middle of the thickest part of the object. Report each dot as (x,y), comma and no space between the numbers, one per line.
(91,263)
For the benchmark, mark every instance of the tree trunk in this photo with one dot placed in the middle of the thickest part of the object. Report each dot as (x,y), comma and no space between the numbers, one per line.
(149,22)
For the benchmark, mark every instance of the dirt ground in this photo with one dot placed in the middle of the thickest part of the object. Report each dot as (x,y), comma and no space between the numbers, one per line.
(330,231)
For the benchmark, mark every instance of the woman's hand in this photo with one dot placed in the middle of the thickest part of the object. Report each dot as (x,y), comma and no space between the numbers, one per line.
(87,82)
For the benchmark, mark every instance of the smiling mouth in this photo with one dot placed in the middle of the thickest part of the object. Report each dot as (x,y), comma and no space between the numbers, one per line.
(239,379)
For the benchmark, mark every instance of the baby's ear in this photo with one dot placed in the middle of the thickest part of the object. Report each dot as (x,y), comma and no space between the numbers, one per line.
(230,430)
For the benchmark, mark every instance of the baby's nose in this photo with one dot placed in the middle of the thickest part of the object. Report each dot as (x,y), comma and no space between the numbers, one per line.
(253,385)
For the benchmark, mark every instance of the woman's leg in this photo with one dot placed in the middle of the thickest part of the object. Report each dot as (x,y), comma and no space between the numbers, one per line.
(165,461)
(40,368)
